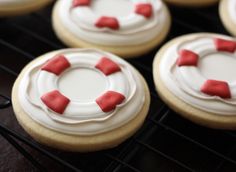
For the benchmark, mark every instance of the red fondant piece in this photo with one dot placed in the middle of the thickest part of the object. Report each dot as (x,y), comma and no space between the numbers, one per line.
(109,22)
(108,101)
(107,66)
(56,65)
(225,45)
(187,58)
(55,101)
(216,88)
(77,3)
(144,9)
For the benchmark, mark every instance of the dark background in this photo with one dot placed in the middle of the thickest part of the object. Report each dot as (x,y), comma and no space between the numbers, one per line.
(166,142)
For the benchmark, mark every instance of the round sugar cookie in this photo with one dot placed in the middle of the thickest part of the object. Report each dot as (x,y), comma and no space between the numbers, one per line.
(227,11)
(20,7)
(128,28)
(192,3)
(195,75)
(80,100)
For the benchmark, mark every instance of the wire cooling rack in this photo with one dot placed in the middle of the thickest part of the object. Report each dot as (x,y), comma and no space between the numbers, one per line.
(166,142)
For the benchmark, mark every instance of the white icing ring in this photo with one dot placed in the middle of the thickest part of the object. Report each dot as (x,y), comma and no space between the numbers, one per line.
(134,29)
(187,74)
(118,82)
(125,81)
(86,19)
(186,82)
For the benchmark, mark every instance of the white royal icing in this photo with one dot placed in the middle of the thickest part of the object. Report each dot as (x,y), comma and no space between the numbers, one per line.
(82,116)
(185,81)
(231,8)
(134,29)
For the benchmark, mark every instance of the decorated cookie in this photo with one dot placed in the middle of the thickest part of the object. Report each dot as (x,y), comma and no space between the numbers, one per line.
(80,99)
(192,3)
(195,75)
(18,7)
(125,27)
(227,10)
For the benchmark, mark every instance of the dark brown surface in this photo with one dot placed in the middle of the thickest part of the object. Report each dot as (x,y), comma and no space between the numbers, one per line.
(166,142)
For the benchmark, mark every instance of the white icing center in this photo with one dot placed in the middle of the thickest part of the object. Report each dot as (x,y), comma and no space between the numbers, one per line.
(87,84)
(211,66)
(134,29)
(117,8)
(81,118)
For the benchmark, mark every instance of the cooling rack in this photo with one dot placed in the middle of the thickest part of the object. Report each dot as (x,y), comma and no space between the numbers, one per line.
(166,142)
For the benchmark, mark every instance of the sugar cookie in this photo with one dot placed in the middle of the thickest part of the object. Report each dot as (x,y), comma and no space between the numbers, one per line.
(19,7)
(227,11)
(126,27)
(195,75)
(80,99)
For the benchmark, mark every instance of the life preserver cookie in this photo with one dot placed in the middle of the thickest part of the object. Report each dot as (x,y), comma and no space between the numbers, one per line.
(82,93)
(227,11)
(111,24)
(192,71)
(16,7)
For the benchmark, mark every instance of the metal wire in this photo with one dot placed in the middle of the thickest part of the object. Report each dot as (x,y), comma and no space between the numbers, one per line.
(193,141)
(21,138)
(23,152)
(4,102)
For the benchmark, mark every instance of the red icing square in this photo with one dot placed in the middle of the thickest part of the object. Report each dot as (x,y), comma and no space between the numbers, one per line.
(56,65)
(144,9)
(55,101)
(108,101)
(187,58)
(107,66)
(109,22)
(225,45)
(216,88)
(77,3)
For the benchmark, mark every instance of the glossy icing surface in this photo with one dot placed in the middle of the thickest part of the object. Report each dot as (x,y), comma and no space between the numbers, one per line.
(130,24)
(210,85)
(85,114)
